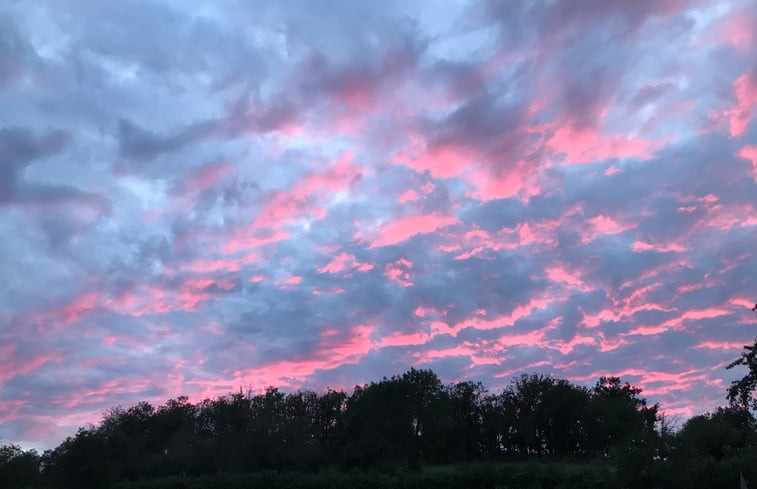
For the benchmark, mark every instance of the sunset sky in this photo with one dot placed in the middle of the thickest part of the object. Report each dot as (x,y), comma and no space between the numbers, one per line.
(201,197)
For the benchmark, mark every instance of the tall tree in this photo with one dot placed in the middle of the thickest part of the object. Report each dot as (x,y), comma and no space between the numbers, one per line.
(466,423)
(18,468)
(741,391)
(620,416)
(718,434)
(378,427)
(427,403)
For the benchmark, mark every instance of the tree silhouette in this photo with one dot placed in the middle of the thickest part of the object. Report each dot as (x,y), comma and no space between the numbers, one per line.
(466,431)
(18,467)
(718,434)
(407,421)
(741,391)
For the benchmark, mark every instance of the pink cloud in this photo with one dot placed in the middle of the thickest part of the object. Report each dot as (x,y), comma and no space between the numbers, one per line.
(671,381)
(408,195)
(337,264)
(602,225)
(60,316)
(637,296)
(725,217)
(246,241)
(741,113)
(737,29)
(588,145)
(741,302)
(708,313)
(83,395)
(525,368)
(721,345)
(683,289)
(404,339)
(399,272)
(288,282)
(750,153)
(125,340)
(304,199)
(454,351)
(476,360)
(9,408)
(646,376)
(540,232)
(345,261)
(357,343)
(706,203)
(356,95)
(12,365)
(523,234)
(404,228)
(535,232)
(424,311)
(80,307)
(685,411)
(471,253)
(231,264)
(154,299)
(518,179)
(335,290)
(618,313)
(639,246)
(501,321)
(478,240)
(334,350)
(533,338)
(442,161)
(189,295)
(561,274)
(606,344)
(195,291)
(206,177)
(677,322)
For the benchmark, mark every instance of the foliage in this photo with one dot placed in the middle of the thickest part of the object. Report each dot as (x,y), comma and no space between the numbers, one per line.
(471,476)
(409,430)
(741,391)
(18,467)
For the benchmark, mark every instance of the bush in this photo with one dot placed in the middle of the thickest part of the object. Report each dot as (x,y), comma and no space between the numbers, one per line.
(517,475)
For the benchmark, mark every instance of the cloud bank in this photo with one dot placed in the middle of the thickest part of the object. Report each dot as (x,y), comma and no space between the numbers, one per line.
(320,193)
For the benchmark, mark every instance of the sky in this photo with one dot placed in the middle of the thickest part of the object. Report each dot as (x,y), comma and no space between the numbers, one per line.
(203,197)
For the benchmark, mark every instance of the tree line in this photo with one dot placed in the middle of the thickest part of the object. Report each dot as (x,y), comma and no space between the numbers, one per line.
(405,421)
(408,422)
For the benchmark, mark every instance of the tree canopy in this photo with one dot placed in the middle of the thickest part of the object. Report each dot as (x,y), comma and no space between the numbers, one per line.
(741,392)
(407,422)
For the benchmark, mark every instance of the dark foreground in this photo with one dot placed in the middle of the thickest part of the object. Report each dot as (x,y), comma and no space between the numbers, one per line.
(526,475)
